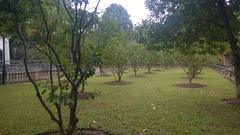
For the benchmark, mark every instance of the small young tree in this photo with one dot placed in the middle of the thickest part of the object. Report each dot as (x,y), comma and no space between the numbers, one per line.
(192,63)
(117,58)
(136,56)
(167,58)
(150,59)
(56,29)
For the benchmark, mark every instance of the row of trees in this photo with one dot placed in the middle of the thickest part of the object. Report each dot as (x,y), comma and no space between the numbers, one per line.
(116,47)
(136,56)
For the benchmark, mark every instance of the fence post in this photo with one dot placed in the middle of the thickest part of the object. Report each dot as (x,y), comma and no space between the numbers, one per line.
(36,75)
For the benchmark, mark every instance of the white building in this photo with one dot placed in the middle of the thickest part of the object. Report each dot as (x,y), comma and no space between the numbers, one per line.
(7,50)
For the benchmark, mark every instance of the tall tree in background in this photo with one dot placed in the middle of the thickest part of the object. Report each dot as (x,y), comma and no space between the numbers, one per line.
(116,27)
(189,21)
(119,16)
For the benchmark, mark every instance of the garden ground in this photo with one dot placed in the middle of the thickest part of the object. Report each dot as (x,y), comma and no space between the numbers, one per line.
(152,104)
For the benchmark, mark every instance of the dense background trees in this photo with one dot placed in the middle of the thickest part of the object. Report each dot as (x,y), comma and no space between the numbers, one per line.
(189,21)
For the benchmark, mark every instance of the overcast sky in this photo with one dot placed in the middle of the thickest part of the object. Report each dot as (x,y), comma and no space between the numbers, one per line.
(136,8)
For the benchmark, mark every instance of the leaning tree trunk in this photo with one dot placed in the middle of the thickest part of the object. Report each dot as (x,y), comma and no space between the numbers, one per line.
(236,59)
(4,70)
(233,44)
(83,87)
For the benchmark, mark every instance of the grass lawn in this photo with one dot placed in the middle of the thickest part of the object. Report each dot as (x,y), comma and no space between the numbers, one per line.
(150,103)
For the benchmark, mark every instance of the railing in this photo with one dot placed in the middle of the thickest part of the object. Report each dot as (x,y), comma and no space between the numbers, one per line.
(38,70)
(22,76)
(228,72)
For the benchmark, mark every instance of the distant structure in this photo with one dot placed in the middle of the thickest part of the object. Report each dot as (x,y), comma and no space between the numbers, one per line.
(226,59)
(7,50)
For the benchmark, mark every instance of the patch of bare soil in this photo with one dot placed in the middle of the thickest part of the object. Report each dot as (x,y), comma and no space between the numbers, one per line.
(232,101)
(82,131)
(137,76)
(190,85)
(117,83)
(158,70)
(104,75)
(149,73)
(198,77)
(88,95)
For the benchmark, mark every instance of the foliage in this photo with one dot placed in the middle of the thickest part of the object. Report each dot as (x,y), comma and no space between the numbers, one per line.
(192,61)
(150,59)
(119,16)
(166,58)
(114,34)
(117,57)
(190,21)
(136,56)
(112,25)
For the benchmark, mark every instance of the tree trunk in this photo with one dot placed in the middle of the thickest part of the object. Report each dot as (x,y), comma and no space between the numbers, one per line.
(60,123)
(4,70)
(83,87)
(236,59)
(119,78)
(166,67)
(101,70)
(190,80)
(189,76)
(135,71)
(73,107)
(233,44)
(149,69)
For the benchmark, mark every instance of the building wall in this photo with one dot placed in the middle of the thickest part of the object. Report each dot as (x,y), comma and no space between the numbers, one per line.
(7,51)
(226,60)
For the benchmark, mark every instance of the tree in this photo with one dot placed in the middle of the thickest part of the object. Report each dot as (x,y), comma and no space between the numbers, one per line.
(193,63)
(193,20)
(56,29)
(117,57)
(150,59)
(115,28)
(136,56)
(166,58)
(119,16)
(193,58)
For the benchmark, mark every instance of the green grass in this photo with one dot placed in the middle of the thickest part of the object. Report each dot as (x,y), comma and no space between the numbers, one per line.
(129,109)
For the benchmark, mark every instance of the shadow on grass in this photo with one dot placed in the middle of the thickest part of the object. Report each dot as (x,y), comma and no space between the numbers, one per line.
(117,83)
(190,85)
